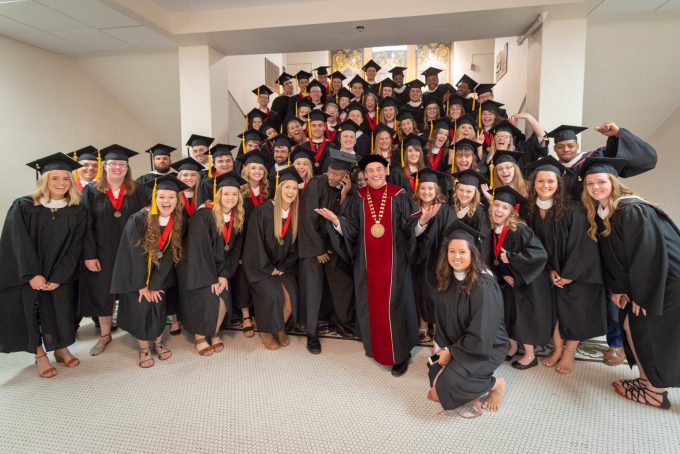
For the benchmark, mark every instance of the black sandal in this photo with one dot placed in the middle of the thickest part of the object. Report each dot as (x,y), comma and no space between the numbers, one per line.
(248,331)
(633,392)
(176,332)
(148,357)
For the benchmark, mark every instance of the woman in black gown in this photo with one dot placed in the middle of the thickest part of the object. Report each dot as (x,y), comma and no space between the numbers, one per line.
(573,262)
(469,315)
(270,259)
(466,201)
(41,245)
(211,256)
(144,270)
(640,249)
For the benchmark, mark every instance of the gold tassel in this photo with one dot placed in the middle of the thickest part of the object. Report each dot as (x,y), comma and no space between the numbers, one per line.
(479,118)
(429,136)
(243,143)
(372,142)
(309,128)
(154,205)
(491,169)
(277,178)
(148,270)
(474,98)
(453,160)
(99,165)
(402,154)
(417,179)
(296,109)
(75,158)
(210,163)
(214,189)
(447,107)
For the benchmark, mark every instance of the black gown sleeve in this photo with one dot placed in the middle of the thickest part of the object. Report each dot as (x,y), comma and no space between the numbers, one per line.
(256,261)
(90,238)
(581,262)
(641,156)
(310,237)
(20,261)
(66,268)
(528,262)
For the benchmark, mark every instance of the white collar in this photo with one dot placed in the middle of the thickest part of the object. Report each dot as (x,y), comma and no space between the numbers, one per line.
(498,229)
(544,204)
(573,161)
(116,191)
(226,216)
(284,213)
(399,89)
(415,103)
(84,183)
(462,212)
(163,220)
(255,190)
(602,211)
(54,204)
(460,275)
(359,133)
(278,167)
(435,150)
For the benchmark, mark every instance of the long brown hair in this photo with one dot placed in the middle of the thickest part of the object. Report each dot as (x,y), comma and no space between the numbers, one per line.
(238,212)
(618,190)
(102,183)
(278,214)
(511,222)
(421,159)
(445,271)
(439,197)
(153,232)
(561,200)
(517,183)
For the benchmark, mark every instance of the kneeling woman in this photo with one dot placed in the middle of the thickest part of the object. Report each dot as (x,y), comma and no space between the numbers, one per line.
(211,255)
(520,260)
(270,259)
(150,248)
(40,247)
(469,315)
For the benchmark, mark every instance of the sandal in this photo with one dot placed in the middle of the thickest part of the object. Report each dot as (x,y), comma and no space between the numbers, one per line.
(248,331)
(73,362)
(161,350)
(47,373)
(207,351)
(176,332)
(217,346)
(99,349)
(148,358)
(424,337)
(633,392)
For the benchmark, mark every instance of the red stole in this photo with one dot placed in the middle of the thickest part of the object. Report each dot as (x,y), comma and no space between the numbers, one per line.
(488,137)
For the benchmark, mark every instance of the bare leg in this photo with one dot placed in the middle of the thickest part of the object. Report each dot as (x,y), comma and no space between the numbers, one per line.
(145,358)
(551,360)
(162,351)
(528,355)
(514,346)
(493,402)
(566,363)
(42,362)
(104,338)
(287,312)
(202,346)
(247,323)
(217,344)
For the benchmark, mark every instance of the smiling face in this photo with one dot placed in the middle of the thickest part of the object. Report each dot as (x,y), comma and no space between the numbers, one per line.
(189,177)
(88,170)
(336,84)
(431,112)
(357,89)
(455,111)
(545,184)
(459,256)
(412,155)
(356,116)
(407,126)
(566,150)
(318,129)
(362,181)
(228,198)
(502,140)
(505,172)
(58,183)
(370,103)
(464,159)
(387,91)
(427,191)
(389,113)
(466,131)
(500,211)
(414,94)
(347,140)
(440,139)
(281,154)
(465,193)
(200,153)
(302,165)
(288,87)
(315,94)
(599,187)
(256,172)
(488,118)
(289,191)
(224,164)
(166,200)
(335,177)
(384,141)
(371,73)
(116,170)
(376,174)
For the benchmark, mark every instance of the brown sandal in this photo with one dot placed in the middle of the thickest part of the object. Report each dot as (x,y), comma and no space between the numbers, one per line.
(162,350)
(248,331)
(217,346)
(207,351)
(47,373)
(147,353)
(73,362)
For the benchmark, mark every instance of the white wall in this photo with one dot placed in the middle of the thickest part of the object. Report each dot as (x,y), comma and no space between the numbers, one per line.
(480,52)
(295,61)
(246,72)
(512,88)
(49,104)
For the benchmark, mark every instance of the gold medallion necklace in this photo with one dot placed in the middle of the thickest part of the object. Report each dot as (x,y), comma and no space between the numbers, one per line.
(377,229)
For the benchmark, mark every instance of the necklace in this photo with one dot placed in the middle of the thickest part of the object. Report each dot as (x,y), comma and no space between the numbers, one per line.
(377,229)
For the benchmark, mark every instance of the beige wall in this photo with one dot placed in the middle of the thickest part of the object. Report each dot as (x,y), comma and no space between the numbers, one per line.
(479,52)
(511,89)
(50,104)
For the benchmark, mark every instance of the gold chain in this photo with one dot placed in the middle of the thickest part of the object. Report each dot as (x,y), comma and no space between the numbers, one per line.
(383,202)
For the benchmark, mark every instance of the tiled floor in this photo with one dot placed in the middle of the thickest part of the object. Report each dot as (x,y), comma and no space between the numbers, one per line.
(247,399)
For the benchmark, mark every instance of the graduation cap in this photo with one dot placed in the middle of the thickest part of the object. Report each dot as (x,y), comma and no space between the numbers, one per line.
(321,70)
(252,157)
(547,164)
(167,182)
(348,125)
(315,83)
(565,132)
(288,174)
(304,103)
(509,195)
(284,77)
(263,89)
(467,144)
(431,72)
(502,156)
(441,123)
(187,164)
(492,106)
(388,101)
(252,134)
(397,71)
(345,93)
(88,153)
(356,105)
(405,114)
(455,99)
(283,141)
(428,100)
(318,115)
(506,126)
(415,140)
(222,149)
(387,82)
(340,160)
(255,113)
(469,81)
(415,83)
(371,64)
(56,161)
(459,230)
(195,140)
(302,151)
(229,179)
(467,120)
(470,177)
(428,175)
(338,75)
(117,152)
(612,166)
(292,118)
(160,150)
(366,160)
(383,127)
(302,74)
(358,80)
(484,88)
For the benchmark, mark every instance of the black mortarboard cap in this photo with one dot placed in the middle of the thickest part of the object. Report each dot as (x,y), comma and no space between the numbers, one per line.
(470,177)
(289,173)
(431,71)
(467,120)
(88,153)
(492,106)
(283,141)
(338,75)
(441,123)
(405,114)
(56,161)
(505,125)
(345,93)
(366,160)
(547,164)
(388,101)
(167,182)
(371,64)
(397,71)
(255,113)
(321,70)
(415,139)
(471,83)
(565,132)
(252,134)
(459,230)
(195,140)
(318,115)
(484,88)
(305,103)
(315,83)
(348,125)
(415,83)
(467,144)
(356,105)
(284,77)
(383,127)
(509,195)
(387,82)
(339,160)
(612,166)
(187,164)
(160,150)
(231,179)
(252,157)
(302,151)
(358,80)
(501,156)
(222,149)
(302,74)
(117,152)
(427,100)
(263,89)
(428,175)
(455,99)
(291,118)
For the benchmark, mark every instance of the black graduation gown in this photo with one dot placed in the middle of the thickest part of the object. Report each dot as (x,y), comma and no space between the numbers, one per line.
(386,309)
(34,242)
(261,254)
(102,237)
(528,305)
(204,261)
(280,105)
(641,157)
(641,258)
(580,307)
(397,178)
(363,146)
(145,320)
(480,222)
(142,180)
(321,165)
(471,327)
(441,165)
(429,244)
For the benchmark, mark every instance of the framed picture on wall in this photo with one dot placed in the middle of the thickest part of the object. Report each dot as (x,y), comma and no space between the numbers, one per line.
(502,62)
(271,73)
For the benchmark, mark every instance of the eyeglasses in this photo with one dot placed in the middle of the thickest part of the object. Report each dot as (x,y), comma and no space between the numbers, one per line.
(119,165)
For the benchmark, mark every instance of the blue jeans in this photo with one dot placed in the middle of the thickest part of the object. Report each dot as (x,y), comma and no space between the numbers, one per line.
(614,330)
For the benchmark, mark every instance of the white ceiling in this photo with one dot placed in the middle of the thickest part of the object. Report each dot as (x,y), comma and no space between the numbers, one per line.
(75,27)
(612,7)
(206,5)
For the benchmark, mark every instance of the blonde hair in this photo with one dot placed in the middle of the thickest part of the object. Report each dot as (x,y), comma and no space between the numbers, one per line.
(153,231)
(246,190)
(310,169)
(376,149)
(278,214)
(103,185)
(518,183)
(618,190)
(492,148)
(474,203)
(41,191)
(238,212)
(401,134)
(198,178)
(511,221)
(439,197)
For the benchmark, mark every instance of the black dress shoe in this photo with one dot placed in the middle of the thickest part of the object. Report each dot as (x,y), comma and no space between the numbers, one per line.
(518,365)
(313,345)
(400,369)
(344,330)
